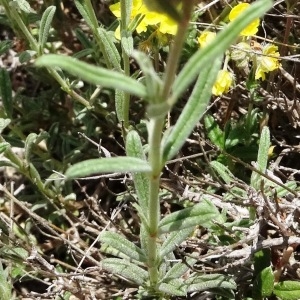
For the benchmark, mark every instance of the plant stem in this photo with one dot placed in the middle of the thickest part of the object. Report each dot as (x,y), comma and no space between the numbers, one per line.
(125,18)
(155,130)
(32,41)
(65,86)
(176,49)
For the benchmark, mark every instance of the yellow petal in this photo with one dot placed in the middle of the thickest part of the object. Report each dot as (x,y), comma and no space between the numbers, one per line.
(116,9)
(251,29)
(223,83)
(205,38)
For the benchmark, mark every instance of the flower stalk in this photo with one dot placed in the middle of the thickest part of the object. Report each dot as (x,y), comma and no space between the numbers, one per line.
(155,129)
(126,64)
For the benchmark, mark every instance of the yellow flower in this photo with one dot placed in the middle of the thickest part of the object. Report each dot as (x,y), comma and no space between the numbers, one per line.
(205,38)
(150,18)
(251,29)
(167,25)
(223,83)
(267,62)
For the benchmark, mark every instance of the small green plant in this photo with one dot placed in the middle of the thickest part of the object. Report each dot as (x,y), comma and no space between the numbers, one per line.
(151,265)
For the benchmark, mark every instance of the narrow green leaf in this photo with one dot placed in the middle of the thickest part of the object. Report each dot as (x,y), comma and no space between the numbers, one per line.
(262,260)
(217,47)
(224,293)
(3,124)
(81,6)
(16,253)
(204,282)
(22,5)
(281,192)
(31,140)
(92,74)
(29,143)
(144,235)
(26,56)
(107,165)
(214,132)
(46,21)
(192,111)
(263,284)
(7,163)
(173,240)
(122,245)
(180,268)
(110,48)
(4,146)
(83,53)
(134,148)
(5,286)
(34,173)
(264,145)
(287,290)
(6,92)
(222,171)
(4,46)
(83,38)
(119,104)
(126,269)
(202,214)
(262,157)
(174,287)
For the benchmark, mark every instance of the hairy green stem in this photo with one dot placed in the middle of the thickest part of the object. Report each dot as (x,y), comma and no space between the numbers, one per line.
(65,86)
(155,130)
(125,18)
